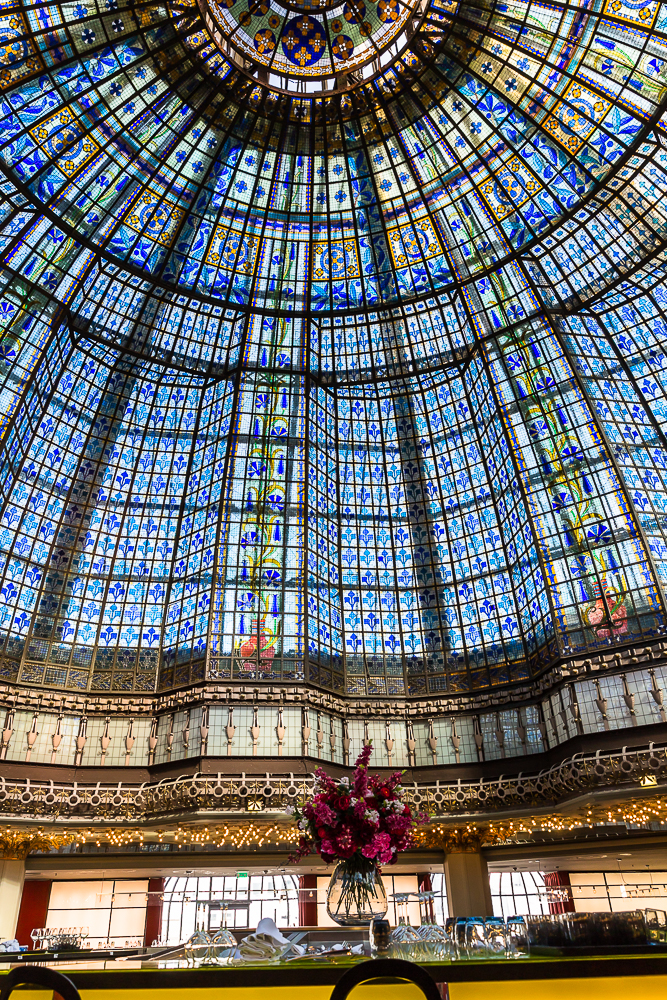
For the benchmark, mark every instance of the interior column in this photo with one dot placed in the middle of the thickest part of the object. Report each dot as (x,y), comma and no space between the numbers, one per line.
(12,877)
(467,879)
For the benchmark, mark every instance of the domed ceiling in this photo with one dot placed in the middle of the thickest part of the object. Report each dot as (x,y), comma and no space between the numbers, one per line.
(333,341)
(306,41)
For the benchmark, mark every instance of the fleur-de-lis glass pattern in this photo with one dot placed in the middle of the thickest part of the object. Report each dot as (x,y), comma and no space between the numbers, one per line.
(333,342)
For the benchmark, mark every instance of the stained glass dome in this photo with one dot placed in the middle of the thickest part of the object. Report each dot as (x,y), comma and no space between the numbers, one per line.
(287,45)
(333,341)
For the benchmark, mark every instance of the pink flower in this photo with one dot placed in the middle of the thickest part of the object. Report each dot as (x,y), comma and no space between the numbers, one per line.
(379,847)
(345,843)
(324,814)
(382,841)
(366,815)
(326,783)
(361,772)
(397,824)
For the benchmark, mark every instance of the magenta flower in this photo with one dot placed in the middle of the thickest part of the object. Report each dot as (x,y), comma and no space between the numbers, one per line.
(365,817)
(324,814)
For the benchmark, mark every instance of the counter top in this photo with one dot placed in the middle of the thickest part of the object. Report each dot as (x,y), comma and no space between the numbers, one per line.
(118,976)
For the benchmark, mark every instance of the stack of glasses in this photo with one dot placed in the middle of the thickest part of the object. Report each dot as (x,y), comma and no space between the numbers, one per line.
(517,936)
(58,939)
(460,938)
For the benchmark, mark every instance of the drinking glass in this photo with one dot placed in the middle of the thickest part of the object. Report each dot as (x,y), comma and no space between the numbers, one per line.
(223,946)
(604,929)
(379,937)
(450,931)
(404,938)
(495,933)
(475,938)
(405,941)
(435,943)
(197,948)
(610,929)
(578,929)
(656,925)
(516,937)
(630,927)
(34,935)
(547,930)
(460,936)
(434,940)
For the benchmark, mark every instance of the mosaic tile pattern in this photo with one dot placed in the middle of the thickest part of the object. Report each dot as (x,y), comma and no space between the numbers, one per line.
(361,389)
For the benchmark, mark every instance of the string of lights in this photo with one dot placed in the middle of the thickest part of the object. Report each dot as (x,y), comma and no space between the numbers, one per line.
(633,814)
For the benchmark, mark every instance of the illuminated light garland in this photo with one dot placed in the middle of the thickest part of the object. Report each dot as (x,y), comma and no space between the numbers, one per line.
(20,841)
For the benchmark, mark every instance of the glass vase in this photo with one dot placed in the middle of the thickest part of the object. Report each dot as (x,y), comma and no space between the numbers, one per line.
(356,894)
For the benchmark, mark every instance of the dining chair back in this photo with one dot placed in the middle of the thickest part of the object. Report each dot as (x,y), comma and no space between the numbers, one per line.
(38,975)
(384,968)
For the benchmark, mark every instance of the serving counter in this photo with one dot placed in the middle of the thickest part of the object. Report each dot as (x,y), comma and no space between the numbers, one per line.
(627,977)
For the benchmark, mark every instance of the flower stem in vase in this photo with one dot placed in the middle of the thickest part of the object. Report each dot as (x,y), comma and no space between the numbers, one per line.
(356,894)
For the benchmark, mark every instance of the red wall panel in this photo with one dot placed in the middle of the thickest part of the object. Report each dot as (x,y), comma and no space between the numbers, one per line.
(154,911)
(308,902)
(34,907)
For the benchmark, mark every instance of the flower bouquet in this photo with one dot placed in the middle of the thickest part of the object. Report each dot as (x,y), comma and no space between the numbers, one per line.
(361,824)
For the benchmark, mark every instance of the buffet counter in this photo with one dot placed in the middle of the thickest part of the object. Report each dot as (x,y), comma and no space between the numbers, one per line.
(627,977)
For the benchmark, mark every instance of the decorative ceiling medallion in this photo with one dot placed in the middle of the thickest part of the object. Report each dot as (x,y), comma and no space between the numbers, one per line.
(309,47)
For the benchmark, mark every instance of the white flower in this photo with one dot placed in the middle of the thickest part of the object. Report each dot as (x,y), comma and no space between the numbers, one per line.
(303,824)
(289,810)
(398,807)
(372,816)
(345,781)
